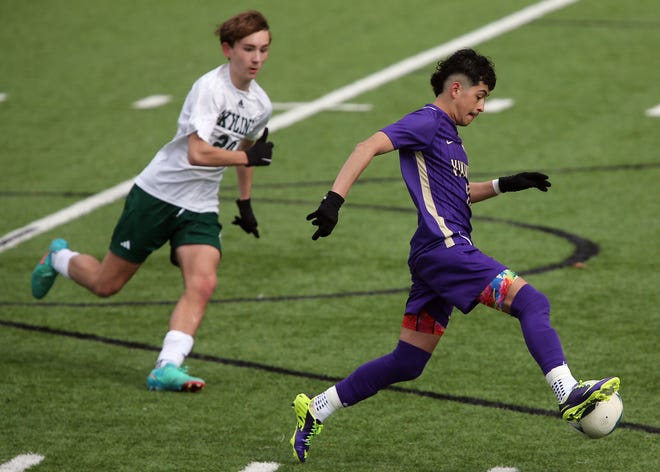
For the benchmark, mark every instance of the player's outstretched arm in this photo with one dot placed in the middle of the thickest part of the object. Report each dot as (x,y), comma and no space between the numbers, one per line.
(327,214)
(523,181)
(480,191)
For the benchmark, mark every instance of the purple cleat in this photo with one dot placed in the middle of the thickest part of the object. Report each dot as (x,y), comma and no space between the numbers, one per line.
(585,394)
(306,427)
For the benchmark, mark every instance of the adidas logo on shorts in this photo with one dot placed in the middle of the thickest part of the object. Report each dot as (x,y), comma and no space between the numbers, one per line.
(125,245)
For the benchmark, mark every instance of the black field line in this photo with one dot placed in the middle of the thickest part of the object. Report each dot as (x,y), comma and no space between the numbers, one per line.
(307,375)
(361,181)
(282,298)
(397,179)
(583,250)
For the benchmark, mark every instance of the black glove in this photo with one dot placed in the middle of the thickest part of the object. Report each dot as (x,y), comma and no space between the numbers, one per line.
(524,180)
(246,221)
(261,153)
(326,216)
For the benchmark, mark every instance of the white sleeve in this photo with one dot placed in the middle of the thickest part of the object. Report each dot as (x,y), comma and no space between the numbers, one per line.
(266,113)
(201,110)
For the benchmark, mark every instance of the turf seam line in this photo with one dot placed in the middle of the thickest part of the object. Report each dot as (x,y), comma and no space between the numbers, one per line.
(362,181)
(584,249)
(308,375)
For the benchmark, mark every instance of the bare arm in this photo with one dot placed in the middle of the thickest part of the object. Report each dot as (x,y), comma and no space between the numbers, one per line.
(244,174)
(359,159)
(201,153)
(326,216)
(480,191)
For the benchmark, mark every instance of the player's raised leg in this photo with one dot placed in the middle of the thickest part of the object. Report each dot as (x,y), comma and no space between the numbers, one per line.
(510,293)
(103,278)
(44,274)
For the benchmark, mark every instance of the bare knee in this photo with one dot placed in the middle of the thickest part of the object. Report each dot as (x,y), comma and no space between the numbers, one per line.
(202,286)
(105,290)
(105,278)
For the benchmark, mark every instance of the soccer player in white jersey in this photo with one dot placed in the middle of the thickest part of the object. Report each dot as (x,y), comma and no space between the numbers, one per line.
(175,198)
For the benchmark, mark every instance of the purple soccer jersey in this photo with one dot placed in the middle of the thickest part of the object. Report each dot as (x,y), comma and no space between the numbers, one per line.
(446,269)
(434,166)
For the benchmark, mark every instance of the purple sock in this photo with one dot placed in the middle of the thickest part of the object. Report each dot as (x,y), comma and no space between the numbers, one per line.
(406,362)
(532,309)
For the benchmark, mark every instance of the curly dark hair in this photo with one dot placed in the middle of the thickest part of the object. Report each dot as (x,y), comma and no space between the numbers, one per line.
(240,26)
(468,62)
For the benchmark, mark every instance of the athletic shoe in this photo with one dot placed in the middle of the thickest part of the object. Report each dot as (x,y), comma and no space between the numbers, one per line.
(43,275)
(585,394)
(306,427)
(171,377)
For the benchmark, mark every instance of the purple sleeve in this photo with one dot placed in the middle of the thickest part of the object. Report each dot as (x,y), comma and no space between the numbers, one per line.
(413,131)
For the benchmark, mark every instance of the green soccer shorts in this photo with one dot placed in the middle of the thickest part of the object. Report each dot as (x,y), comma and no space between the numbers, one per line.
(147,223)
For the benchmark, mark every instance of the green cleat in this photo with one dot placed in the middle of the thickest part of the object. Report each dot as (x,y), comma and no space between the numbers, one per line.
(171,377)
(306,427)
(43,275)
(585,394)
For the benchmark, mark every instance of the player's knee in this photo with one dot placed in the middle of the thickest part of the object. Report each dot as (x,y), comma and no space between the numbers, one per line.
(106,283)
(413,370)
(529,300)
(408,362)
(106,290)
(203,286)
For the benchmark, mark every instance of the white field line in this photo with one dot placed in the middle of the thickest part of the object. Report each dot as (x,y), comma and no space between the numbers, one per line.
(291,117)
(653,112)
(280,106)
(273,466)
(261,467)
(152,101)
(65,215)
(496,105)
(21,463)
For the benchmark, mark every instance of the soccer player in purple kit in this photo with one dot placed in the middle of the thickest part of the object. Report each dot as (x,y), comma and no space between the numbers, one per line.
(446,269)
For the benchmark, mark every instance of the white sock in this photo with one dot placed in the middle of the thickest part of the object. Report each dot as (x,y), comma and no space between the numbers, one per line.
(60,260)
(176,346)
(325,404)
(561,381)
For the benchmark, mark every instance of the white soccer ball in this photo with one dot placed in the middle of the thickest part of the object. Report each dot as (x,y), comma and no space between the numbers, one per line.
(601,418)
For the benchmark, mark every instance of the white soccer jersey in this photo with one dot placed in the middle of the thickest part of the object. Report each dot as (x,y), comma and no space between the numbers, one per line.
(222,115)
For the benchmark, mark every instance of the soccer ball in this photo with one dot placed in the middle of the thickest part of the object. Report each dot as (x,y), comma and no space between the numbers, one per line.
(601,418)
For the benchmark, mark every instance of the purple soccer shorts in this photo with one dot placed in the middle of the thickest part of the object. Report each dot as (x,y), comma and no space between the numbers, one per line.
(444,278)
